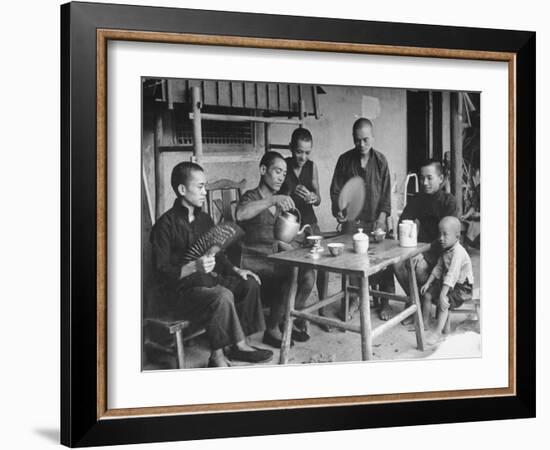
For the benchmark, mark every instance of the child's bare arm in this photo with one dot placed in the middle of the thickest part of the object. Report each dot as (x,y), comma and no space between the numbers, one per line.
(427,284)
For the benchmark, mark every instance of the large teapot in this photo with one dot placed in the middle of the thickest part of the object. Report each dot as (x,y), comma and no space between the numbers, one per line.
(408,233)
(287,226)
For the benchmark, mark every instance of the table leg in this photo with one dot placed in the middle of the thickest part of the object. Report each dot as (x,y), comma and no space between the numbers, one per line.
(322,288)
(366,327)
(345,300)
(290,299)
(179,349)
(418,321)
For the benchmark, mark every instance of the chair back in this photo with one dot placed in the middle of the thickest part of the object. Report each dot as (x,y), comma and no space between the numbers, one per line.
(222,197)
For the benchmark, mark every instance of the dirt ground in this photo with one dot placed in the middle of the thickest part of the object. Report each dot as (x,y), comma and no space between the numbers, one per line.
(337,346)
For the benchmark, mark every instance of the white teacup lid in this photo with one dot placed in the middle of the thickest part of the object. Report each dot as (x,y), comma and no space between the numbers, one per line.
(360,236)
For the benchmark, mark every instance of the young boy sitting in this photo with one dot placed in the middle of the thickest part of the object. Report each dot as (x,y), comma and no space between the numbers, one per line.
(451,281)
(426,208)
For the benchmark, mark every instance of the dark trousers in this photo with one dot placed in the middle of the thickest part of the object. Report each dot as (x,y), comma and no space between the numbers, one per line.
(229,310)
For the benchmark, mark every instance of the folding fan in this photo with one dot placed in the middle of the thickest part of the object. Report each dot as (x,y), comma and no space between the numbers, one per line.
(214,240)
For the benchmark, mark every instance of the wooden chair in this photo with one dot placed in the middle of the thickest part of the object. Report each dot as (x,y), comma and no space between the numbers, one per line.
(222,197)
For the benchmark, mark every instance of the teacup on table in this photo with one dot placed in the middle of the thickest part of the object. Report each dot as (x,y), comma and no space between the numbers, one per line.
(378,235)
(335,248)
(315,241)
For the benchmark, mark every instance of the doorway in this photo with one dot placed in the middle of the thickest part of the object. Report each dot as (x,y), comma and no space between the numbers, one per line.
(424,128)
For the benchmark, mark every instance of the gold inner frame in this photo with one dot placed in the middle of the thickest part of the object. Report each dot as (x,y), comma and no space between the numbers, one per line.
(103,36)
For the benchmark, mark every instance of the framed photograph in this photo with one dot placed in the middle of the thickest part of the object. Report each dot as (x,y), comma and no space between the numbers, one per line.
(272,224)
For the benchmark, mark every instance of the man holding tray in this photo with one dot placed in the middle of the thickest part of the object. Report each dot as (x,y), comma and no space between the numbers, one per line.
(371,165)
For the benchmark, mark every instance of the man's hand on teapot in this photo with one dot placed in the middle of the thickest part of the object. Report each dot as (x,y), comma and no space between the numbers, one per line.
(283,246)
(283,202)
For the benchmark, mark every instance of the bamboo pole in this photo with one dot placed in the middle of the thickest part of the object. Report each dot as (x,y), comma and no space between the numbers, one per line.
(389,295)
(366,326)
(158,140)
(302,108)
(393,321)
(148,195)
(321,320)
(316,102)
(456,148)
(324,302)
(197,119)
(236,118)
(266,137)
(345,301)
(418,319)
(430,124)
(289,319)
(180,349)
(375,293)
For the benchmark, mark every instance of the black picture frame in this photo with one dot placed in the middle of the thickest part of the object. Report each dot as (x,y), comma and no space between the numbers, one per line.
(81,422)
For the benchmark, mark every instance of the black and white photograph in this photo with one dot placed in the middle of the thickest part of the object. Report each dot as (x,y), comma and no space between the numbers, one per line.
(257,225)
(286,223)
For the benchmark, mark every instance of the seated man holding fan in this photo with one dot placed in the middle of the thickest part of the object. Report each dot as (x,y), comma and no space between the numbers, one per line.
(208,290)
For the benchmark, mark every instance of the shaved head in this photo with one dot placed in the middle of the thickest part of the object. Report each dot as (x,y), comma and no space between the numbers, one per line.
(450,223)
(449,231)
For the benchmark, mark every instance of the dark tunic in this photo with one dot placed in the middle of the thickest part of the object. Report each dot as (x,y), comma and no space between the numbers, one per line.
(225,304)
(377,182)
(170,238)
(260,242)
(289,188)
(259,229)
(429,209)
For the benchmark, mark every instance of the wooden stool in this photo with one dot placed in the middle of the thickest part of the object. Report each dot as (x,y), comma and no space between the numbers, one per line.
(181,331)
(472,306)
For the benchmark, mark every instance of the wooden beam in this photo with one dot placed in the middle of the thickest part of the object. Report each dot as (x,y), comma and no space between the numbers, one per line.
(158,140)
(302,107)
(197,127)
(322,303)
(320,320)
(389,295)
(375,293)
(279,147)
(316,103)
(236,118)
(364,317)
(393,321)
(290,299)
(430,124)
(266,137)
(148,195)
(456,148)
(418,319)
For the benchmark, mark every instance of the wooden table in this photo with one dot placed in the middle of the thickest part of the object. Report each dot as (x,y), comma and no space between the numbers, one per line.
(380,256)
